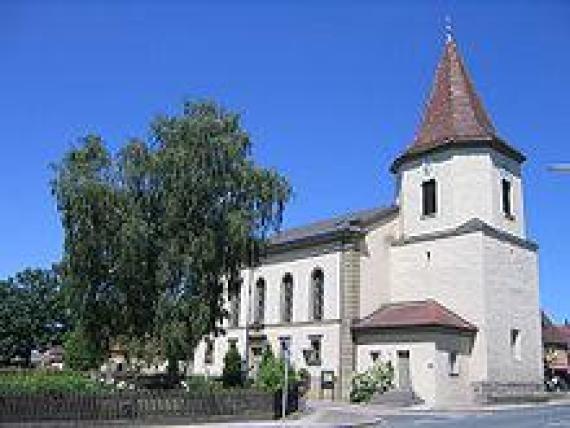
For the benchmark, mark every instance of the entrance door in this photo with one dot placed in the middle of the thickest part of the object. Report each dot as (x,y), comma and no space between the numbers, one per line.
(404,381)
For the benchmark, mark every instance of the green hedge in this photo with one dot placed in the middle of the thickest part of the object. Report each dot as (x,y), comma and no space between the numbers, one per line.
(48,381)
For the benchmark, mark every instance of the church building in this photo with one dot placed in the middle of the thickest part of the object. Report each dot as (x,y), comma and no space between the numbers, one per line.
(443,283)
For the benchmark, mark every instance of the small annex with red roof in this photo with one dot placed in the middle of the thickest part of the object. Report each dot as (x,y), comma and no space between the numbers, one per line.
(427,314)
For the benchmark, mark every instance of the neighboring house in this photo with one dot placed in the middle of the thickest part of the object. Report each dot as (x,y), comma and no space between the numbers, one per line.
(119,362)
(444,283)
(53,357)
(556,342)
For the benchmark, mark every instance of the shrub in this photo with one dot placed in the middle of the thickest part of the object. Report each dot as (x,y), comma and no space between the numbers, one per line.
(199,383)
(48,381)
(232,375)
(270,377)
(378,378)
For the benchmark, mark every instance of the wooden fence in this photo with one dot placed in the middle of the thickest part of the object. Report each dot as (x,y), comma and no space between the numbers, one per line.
(239,404)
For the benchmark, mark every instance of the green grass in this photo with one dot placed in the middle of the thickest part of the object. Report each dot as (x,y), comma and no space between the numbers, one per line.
(33,381)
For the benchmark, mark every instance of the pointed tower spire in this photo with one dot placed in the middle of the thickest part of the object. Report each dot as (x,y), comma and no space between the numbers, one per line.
(454,110)
(454,113)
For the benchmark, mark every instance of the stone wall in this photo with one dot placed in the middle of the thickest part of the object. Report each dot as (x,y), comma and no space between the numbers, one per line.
(490,392)
(350,309)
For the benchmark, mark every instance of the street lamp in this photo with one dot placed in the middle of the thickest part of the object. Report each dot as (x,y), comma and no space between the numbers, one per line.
(560,167)
(285,391)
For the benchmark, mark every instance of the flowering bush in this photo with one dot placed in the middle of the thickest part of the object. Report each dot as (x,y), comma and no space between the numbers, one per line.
(378,378)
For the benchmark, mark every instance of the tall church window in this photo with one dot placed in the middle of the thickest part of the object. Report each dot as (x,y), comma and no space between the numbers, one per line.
(234,292)
(209,351)
(259,311)
(287,298)
(317,294)
(506,197)
(429,198)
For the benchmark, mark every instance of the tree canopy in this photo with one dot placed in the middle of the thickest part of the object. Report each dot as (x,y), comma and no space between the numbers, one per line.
(154,231)
(32,313)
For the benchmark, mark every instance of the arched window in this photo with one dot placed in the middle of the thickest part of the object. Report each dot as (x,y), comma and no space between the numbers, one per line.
(317,294)
(287,298)
(259,305)
(234,297)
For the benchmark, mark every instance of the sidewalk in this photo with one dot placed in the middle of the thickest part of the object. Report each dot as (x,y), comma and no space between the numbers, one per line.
(335,414)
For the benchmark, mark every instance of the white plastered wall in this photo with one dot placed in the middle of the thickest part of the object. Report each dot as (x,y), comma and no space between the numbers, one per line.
(301,327)
(512,302)
(301,270)
(429,361)
(453,276)
(468,184)
(375,266)
(422,358)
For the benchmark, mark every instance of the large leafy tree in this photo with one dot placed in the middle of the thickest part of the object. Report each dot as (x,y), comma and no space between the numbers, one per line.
(153,232)
(33,313)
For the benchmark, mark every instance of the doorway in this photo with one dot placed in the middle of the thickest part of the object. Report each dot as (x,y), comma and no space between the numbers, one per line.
(404,380)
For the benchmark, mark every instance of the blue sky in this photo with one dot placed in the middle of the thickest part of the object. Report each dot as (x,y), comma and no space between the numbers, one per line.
(330,91)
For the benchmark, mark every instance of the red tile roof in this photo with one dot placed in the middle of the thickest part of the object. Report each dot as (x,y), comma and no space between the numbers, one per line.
(428,313)
(559,334)
(454,110)
(454,113)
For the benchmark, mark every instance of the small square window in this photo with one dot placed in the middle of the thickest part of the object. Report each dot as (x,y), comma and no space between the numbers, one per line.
(374,355)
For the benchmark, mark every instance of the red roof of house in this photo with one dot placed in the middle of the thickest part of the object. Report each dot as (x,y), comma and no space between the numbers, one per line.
(427,313)
(453,110)
(559,334)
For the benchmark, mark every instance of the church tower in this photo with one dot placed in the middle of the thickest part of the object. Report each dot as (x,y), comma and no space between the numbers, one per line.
(457,167)
(461,238)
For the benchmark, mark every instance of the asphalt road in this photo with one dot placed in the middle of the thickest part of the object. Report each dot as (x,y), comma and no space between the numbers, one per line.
(548,416)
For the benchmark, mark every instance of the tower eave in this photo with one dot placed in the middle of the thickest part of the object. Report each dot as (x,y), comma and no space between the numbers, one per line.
(495,143)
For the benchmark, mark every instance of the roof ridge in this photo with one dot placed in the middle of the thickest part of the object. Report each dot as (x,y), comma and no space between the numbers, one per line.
(341,216)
